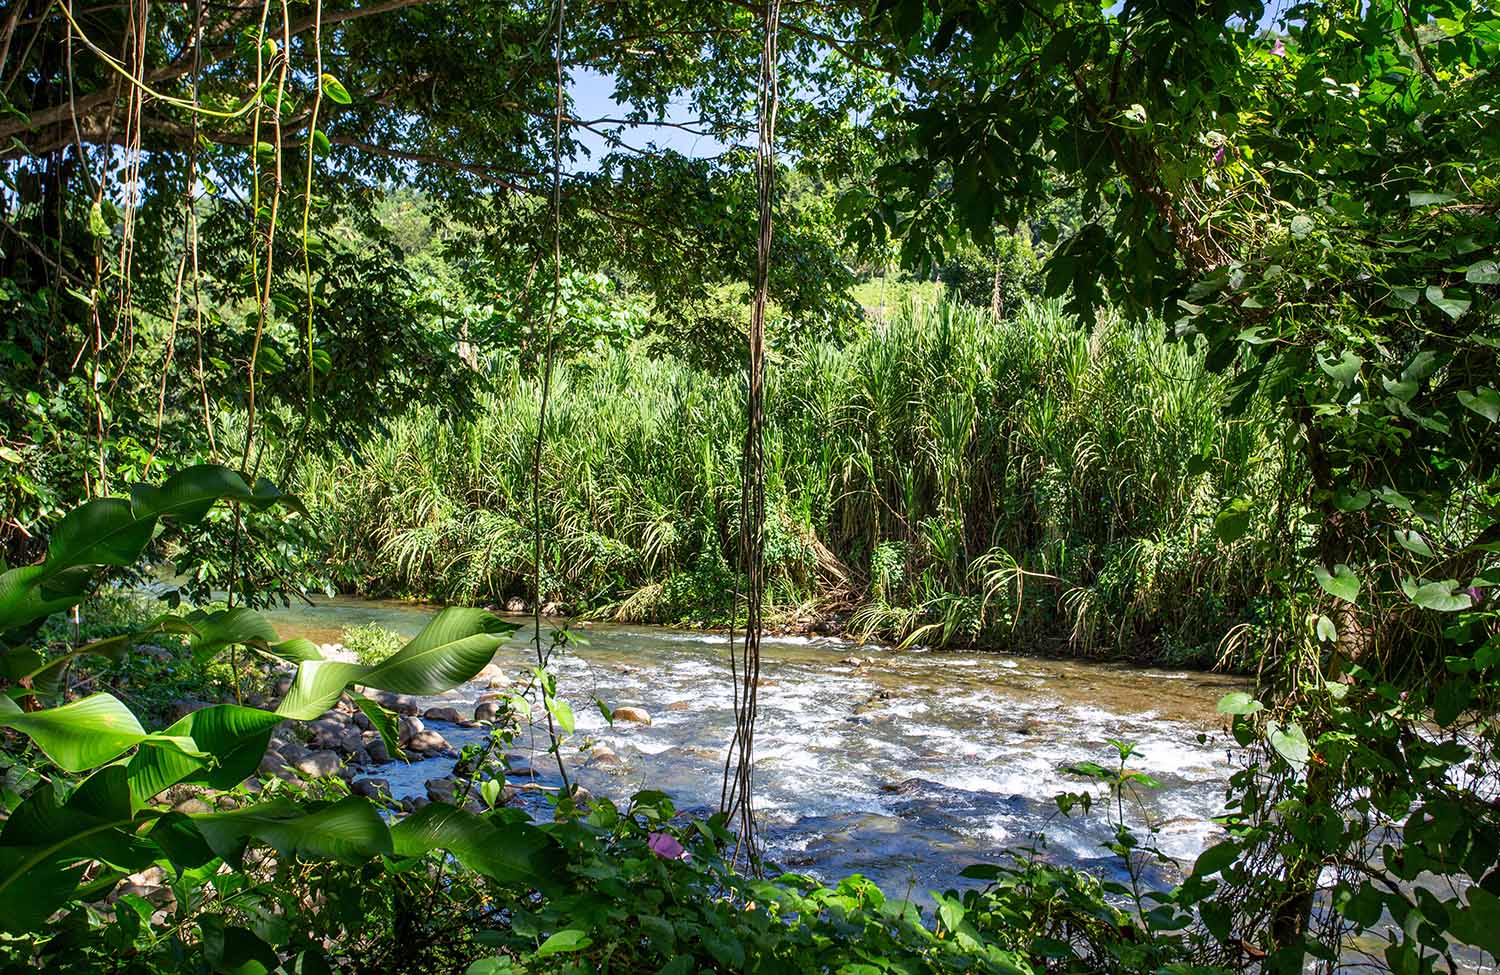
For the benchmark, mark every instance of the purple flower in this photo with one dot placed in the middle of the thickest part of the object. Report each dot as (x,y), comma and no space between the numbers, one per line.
(1219,156)
(666,846)
(1476,595)
(1278,49)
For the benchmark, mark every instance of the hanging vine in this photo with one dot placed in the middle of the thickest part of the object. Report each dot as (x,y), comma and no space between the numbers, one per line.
(739,780)
(544,678)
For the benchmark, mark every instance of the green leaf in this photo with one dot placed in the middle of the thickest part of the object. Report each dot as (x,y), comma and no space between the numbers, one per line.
(1441,597)
(568,939)
(81,735)
(1480,924)
(1342,583)
(1485,401)
(509,853)
(45,845)
(1216,858)
(450,650)
(188,495)
(562,712)
(1452,307)
(334,91)
(1327,632)
(1290,743)
(349,831)
(235,736)
(1425,199)
(384,722)
(100,532)
(321,145)
(1302,225)
(225,628)
(1239,702)
(1345,369)
(1483,272)
(1231,523)
(234,950)
(1413,542)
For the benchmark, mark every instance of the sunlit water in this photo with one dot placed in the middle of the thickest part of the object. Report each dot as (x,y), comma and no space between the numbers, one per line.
(905,770)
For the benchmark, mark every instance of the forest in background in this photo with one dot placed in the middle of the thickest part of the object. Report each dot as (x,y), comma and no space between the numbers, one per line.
(1199,367)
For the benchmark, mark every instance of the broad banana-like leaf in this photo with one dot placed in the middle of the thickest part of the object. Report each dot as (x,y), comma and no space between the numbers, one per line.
(239,626)
(100,532)
(350,830)
(45,845)
(317,687)
(516,853)
(189,494)
(297,649)
(81,735)
(29,596)
(453,647)
(236,737)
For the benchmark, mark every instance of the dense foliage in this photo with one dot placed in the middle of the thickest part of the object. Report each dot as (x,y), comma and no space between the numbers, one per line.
(312,241)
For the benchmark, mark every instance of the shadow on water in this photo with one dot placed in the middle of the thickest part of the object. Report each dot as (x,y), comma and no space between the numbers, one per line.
(905,766)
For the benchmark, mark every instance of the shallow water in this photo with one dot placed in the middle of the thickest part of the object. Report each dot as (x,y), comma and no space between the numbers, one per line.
(905,769)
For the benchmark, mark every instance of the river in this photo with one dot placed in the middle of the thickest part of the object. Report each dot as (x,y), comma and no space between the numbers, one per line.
(905,767)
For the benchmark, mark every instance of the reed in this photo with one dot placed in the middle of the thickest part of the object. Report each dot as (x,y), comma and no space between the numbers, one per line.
(946,478)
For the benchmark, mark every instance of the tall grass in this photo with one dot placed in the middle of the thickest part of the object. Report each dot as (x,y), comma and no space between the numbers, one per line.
(944,479)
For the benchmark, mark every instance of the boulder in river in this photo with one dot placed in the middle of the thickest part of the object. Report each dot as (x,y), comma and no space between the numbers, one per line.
(492,676)
(408,727)
(515,604)
(486,711)
(635,715)
(429,742)
(400,703)
(320,763)
(447,714)
(371,788)
(680,706)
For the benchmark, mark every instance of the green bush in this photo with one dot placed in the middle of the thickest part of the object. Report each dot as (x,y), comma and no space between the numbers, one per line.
(371,643)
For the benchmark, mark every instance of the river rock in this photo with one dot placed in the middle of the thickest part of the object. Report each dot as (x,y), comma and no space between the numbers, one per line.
(362,721)
(374,748)
(283,686)
(635,715)
(492,676)
(441,790)
(294,752)
(602,757)
(680,706)
(447,714)
(271,763)
(400,703)
(371,788)
(407,728)
(486,711)
(320,763)
(515,604)
(429,742)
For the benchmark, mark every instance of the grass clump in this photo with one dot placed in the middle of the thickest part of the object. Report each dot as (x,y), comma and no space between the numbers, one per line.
(371,643)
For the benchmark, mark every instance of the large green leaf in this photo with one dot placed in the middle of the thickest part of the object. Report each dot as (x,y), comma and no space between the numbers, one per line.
(453,647)
(45,845)
(28,595)
(350,830)
(1441,597)
(81,735)
(104,531)
(239,626)
(317,687)
(188,494)
(1290,743)
(235,736)
(516,853)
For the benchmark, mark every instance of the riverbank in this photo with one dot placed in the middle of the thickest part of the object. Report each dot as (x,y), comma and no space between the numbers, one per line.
(945,479)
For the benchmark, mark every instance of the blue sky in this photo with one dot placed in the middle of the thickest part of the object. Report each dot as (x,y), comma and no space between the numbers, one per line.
(592,93)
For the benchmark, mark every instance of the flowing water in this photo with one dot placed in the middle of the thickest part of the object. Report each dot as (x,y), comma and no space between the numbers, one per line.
(905,768)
